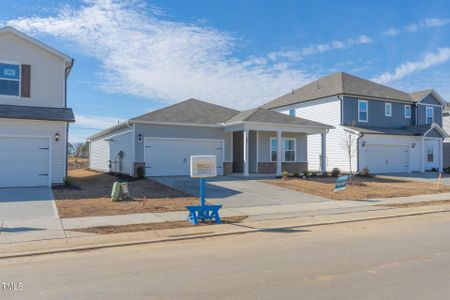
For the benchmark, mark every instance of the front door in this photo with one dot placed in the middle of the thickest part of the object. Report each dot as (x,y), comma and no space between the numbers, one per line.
(432,155)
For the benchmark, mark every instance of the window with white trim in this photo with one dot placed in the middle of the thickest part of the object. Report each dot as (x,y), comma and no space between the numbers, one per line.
(388,109)
(273,149)
(429,112)
(408,111)
(430,153)
(363,111)
(289,149)
(292,112)
(9,79)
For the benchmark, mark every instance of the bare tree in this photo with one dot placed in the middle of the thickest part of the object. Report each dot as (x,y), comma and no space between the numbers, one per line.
(349,144)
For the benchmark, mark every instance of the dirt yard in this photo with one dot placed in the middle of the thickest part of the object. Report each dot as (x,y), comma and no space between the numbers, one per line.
(90,196)
(154,226)
(361,188)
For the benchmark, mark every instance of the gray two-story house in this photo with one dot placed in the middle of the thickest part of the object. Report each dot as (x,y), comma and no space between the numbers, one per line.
(376,127)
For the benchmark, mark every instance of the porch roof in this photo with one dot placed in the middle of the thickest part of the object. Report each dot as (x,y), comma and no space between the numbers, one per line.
(261,115)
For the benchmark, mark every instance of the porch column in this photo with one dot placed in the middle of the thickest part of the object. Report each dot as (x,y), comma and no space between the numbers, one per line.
(245,135)
(279,154)
(422,151)
(441,156)
(323,161)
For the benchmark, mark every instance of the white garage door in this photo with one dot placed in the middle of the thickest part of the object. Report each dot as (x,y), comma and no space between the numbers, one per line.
(387,159)
(171,157)
(24,161)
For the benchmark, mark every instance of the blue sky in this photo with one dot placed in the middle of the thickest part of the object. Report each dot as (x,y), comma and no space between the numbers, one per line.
(136,56)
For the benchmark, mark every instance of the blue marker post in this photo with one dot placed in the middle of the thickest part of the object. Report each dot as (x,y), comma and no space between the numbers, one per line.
(202,167)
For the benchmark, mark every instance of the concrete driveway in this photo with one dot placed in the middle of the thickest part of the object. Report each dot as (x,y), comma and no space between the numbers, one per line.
(231,191)
(28,214)
(431,177)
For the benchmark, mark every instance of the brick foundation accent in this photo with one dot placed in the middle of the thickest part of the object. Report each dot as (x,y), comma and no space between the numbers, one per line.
(291,167)
(227,168)
(136,166)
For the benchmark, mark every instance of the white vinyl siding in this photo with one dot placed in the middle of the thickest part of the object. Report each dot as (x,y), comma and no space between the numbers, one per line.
(47,72)
(326,111)
(47,129)
(104,153)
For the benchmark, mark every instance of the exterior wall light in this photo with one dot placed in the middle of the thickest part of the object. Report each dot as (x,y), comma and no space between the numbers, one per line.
(140,138)
(57,137)
(413,145)
(363,143)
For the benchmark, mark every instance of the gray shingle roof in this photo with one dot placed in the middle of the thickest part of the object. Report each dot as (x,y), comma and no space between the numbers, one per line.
(267,116)
(416,130)
(417,96)
(339,84)
(191,111)
(36,113)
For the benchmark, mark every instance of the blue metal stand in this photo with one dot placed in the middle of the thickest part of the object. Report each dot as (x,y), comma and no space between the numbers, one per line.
(203,212)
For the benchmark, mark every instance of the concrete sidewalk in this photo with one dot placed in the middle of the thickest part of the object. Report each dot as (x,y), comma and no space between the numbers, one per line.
(91,242)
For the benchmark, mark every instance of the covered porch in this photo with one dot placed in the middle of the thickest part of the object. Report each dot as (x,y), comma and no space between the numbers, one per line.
(267,142)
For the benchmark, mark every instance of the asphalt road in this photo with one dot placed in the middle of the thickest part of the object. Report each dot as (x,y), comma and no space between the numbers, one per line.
(403,258)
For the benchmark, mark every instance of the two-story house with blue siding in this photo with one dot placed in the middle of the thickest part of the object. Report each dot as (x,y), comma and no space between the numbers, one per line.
(376,127)
(34,118)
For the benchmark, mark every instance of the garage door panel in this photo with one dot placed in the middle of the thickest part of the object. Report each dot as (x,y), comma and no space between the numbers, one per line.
(169,157)
(24,161)
(387,158)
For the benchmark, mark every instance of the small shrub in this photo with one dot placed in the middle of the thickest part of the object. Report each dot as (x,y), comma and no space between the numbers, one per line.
(140,172)
(68,182)
(296,175)
(314,174)
(433,170)
(447,170)
(335,172)
(285,174)
(365,172)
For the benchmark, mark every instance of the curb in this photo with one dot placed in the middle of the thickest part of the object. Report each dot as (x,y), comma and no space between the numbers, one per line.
(248,229)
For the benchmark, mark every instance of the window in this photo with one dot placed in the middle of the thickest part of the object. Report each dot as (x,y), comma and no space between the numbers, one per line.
(292,112)
(388,109)
(429,115)
(363,111)
(9,79)
(289,149)
(273,149)
(430,153)
(408,111)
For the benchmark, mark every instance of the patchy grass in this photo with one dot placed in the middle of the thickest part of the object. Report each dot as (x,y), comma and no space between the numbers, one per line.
(75,163)
(153,226)
(360,188)
(416,204)
(91,196)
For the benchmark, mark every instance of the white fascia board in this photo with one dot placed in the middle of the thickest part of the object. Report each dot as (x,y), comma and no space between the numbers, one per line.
(437,96)
(176,124)
(438,128)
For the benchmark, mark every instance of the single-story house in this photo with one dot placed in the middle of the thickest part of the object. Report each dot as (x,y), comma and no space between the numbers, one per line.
(256,141)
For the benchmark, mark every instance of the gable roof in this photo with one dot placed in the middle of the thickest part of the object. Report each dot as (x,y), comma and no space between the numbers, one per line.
(262,115)
(339,83)
(420,95)
(191,111)
(8,29)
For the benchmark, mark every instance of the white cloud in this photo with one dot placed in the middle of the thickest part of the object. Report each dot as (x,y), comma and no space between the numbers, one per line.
(413,27)
(143,54)
(95,122)
(429,60)
(299,54)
